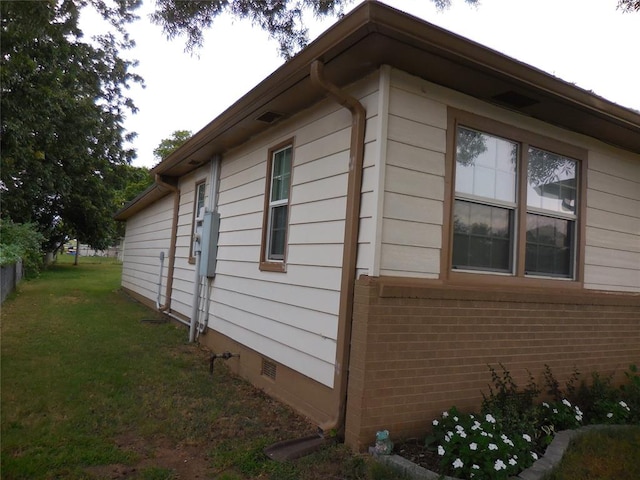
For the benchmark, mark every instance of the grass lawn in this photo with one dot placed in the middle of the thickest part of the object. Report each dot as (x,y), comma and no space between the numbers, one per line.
(608,454)
(95,386)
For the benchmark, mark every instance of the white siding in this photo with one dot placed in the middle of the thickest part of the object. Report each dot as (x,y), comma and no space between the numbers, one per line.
(612,256)
(147,234)
(414,183)
(291,317)
(414,162)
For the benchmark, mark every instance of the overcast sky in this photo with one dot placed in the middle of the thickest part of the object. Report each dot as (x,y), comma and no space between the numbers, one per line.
(587,42)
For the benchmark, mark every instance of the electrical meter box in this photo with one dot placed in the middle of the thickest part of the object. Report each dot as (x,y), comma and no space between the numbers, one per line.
(208,257)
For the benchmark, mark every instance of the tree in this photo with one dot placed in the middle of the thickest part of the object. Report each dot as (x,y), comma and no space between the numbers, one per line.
(63,107)
(282,19)
(629,6)
(168,145)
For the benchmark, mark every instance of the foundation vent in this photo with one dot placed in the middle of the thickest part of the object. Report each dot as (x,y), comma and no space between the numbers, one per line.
(268,369)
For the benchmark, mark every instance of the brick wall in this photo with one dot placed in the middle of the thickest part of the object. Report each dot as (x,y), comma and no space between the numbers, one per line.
(419,347)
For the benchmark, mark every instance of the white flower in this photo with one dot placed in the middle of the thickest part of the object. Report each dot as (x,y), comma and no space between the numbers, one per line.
(493,446)
(462,434)
(458,463)
(512,461)
(489,418)
(526,437)
(435,423)
(534,455)
(455,419)
(459,428)
(499,465)
(579,418)
(476,425)
(473,446)
(440,450)
(506,440)
(445,414)
(475,467)
(545,404)
(555,410)
(609,415)
(484,434)
(622,404)
(578,411)
(566,402)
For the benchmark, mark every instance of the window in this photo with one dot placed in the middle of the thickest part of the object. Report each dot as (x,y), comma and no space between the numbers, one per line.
(198,204)
(515,207)
(276,218)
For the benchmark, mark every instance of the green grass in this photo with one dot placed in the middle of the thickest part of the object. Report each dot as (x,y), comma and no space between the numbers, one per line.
(607,454)
(89,387)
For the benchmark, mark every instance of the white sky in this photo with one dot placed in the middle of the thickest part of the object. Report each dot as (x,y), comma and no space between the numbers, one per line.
(586,42)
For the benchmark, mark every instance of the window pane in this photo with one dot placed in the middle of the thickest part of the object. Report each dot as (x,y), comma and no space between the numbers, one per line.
(549,246)
(485,165)
(281,175)
(481,237)
(551,181)
(278,232)
(200,197)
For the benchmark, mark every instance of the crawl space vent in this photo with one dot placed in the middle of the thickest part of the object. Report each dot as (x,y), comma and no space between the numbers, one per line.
(268,369)
(515,99)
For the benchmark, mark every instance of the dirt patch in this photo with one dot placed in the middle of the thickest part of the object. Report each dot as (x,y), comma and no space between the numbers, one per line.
(185,461)
(415,451)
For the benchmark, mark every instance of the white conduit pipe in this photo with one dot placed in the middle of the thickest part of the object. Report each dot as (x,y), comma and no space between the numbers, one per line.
(196,293)
(213,193)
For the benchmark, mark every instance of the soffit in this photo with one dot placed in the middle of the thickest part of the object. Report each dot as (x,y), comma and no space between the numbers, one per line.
(373,35)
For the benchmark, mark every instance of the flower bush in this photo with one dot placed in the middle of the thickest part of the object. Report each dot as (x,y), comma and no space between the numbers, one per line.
(512,430)
(475,447)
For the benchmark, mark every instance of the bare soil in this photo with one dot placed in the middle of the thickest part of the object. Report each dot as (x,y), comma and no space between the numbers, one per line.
(415,451)
(186,461)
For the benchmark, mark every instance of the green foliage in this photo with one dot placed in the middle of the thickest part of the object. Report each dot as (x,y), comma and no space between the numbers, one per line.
(512,407)
(553,386)
(513,429)
(478,446)
(21,241)
(168,145)
(631,393)
(63,107)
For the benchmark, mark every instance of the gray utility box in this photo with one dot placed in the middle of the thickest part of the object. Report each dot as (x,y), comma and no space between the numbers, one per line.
(208,257)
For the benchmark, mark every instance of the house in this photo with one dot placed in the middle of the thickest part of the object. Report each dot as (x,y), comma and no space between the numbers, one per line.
(391,211)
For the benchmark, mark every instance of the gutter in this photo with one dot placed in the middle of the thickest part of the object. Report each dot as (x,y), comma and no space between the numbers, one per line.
(172,246)
(350,249)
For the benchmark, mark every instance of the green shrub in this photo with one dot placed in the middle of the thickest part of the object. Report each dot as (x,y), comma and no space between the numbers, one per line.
(21,241)
(513,429)
(512,407)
